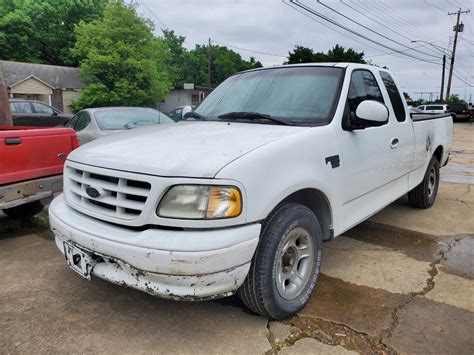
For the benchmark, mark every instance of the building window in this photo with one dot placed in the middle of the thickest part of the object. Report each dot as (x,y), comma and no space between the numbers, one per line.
(195,99)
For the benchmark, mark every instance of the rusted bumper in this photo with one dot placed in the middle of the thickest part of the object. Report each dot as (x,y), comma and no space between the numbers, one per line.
(182,265)
(28,191)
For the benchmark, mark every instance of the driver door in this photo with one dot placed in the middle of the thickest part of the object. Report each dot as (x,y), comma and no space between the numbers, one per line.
(367,158)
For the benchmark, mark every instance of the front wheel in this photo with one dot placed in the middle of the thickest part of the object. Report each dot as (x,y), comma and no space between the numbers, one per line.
(424,195)
(286,265)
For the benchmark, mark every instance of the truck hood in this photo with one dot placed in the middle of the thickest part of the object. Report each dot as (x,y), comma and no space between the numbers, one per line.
(185,149)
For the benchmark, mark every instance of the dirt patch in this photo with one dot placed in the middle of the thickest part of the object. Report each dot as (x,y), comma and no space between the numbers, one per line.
(361,308)
(419,246)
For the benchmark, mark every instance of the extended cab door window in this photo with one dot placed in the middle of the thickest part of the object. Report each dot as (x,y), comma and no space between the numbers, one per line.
(394,95)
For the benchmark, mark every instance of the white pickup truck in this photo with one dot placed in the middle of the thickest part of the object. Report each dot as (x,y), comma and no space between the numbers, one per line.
(239,196)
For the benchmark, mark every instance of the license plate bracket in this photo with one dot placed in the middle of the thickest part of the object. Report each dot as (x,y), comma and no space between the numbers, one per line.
(78,259)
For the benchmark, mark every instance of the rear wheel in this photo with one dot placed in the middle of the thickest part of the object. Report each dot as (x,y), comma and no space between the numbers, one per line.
(424,195)
(286,265)
(24,211)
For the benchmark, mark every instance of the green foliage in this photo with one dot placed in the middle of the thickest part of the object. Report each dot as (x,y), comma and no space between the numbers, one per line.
(455,99)
(121,60)
(42,31)
(337,54)
(192,66)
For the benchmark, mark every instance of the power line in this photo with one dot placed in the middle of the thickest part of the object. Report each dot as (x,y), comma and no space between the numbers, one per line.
(334,29)
(374,20)
(249,50)
(153,14)
(402,21)
(435,6)
(373,31)
(327,19)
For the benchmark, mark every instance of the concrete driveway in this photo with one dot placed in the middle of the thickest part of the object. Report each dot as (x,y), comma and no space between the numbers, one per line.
(402,282)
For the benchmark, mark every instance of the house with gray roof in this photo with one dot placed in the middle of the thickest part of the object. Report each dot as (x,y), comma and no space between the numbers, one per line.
(54,85)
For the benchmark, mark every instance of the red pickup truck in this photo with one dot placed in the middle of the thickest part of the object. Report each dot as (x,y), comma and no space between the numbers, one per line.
(31,167)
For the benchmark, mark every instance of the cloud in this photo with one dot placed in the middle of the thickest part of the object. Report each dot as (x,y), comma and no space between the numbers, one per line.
(271,26)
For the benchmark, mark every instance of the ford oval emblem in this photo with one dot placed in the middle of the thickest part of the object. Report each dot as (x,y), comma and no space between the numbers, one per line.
(94,192)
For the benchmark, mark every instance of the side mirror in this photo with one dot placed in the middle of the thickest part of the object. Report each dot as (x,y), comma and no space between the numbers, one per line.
(185,110)
(374,112)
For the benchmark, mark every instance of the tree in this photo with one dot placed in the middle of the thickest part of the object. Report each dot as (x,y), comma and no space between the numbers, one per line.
(455,99)
(301,55)
(338,53)
(121,60)
(191,66)
(42,31)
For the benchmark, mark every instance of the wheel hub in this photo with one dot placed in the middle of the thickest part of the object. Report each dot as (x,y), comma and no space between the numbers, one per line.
(296,257)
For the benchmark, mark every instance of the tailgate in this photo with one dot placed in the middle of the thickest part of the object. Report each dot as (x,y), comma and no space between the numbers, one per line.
(27,153)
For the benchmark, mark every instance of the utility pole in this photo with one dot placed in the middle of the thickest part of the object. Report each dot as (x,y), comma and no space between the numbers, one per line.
(5,113)
(442,78)
(209,67)
(458,28)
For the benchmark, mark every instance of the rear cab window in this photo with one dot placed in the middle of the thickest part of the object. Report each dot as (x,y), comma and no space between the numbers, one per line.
(394,96)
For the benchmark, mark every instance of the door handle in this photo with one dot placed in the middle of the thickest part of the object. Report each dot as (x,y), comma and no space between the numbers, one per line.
(394,143)
(12,141)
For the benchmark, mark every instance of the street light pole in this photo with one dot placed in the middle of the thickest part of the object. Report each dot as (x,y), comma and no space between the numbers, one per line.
(442,78)
(443,69)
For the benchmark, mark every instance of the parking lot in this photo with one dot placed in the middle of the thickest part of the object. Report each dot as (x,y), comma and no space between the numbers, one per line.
(402,282)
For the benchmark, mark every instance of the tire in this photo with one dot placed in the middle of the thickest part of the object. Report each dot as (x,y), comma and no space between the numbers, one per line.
(424,195)
(24,211)
(291,240)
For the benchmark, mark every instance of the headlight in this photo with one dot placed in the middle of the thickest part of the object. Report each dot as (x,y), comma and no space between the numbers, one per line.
(200,202)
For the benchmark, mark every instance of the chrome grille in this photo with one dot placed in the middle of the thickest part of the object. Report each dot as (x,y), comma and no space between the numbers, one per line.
(120,197)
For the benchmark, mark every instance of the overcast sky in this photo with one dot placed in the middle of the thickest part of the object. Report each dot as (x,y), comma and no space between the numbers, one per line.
(273,27)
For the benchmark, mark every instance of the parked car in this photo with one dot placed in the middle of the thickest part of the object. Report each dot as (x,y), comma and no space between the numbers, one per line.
(37,114)
(93,123)
(439,108)
(460,112)
(179,112)
(239,196)
(31,167)
(416,111)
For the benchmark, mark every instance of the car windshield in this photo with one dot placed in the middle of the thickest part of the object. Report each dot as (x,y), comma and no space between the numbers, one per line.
(295,95)
(116,119)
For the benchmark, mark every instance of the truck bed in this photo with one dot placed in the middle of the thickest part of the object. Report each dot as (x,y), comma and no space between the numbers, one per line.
(29,153)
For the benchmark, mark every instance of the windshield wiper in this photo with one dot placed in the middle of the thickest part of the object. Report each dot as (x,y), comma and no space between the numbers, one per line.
(194,115)
(253,116)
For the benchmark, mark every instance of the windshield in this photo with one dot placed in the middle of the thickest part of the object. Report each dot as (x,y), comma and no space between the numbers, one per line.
(129,118)
(294,94)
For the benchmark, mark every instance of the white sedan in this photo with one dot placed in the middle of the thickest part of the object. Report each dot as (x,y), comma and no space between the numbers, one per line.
(93,123)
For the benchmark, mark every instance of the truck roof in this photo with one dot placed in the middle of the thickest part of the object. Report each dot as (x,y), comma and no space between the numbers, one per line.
(324,64)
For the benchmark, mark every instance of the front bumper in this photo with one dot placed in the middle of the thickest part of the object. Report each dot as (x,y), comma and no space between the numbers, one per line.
(190,264)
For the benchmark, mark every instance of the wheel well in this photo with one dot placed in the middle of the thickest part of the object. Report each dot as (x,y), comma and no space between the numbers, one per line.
(317,202)
(438,153)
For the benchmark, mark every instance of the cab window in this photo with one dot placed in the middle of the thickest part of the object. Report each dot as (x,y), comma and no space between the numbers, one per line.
(363,87)
(394,95)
